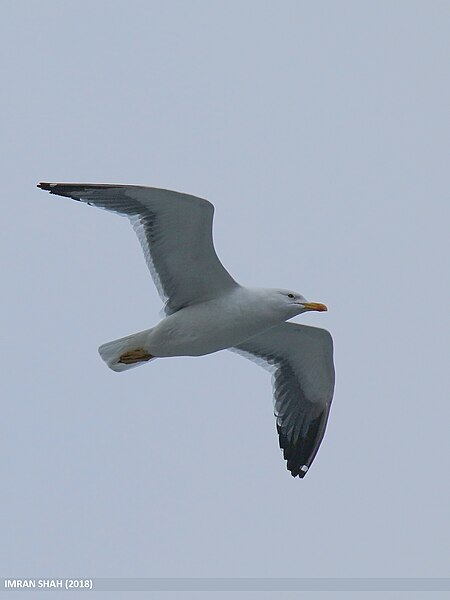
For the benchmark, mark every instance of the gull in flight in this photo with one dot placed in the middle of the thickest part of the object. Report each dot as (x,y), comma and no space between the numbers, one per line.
(207,310)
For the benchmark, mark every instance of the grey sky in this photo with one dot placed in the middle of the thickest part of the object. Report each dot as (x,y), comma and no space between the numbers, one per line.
(320,133)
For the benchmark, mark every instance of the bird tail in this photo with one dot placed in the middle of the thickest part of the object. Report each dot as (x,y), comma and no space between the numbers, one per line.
(127,352)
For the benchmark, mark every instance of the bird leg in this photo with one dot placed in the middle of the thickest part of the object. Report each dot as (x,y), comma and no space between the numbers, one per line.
(134,356)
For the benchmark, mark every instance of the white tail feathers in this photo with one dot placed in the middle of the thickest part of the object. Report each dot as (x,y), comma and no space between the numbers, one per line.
(111,352)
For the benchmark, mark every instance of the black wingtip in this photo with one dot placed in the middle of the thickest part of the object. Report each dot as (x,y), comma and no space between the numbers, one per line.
(298,472)
(62,189)
(44,186)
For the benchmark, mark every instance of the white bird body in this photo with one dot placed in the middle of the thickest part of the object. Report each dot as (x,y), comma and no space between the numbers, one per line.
(207,310)
(217,324)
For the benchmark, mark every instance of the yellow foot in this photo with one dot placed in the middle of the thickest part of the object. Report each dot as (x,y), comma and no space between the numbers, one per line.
(134,356)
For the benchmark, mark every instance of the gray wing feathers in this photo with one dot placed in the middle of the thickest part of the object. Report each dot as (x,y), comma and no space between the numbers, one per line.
(301,361)
(175,232)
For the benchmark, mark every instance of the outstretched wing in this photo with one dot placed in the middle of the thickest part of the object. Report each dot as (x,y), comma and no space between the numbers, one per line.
(175,231)
(301,360)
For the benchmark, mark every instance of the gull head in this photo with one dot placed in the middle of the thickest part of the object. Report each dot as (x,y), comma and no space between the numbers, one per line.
(291,303)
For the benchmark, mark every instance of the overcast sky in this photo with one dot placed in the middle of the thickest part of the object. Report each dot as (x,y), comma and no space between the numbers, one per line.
(320,133)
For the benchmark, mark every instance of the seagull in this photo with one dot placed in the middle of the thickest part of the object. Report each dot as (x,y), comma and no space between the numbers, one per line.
(206,310)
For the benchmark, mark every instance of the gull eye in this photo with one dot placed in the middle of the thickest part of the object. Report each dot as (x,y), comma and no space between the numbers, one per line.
(290,295)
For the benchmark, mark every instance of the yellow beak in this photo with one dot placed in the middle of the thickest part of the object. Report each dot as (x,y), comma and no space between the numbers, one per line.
(315,306)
